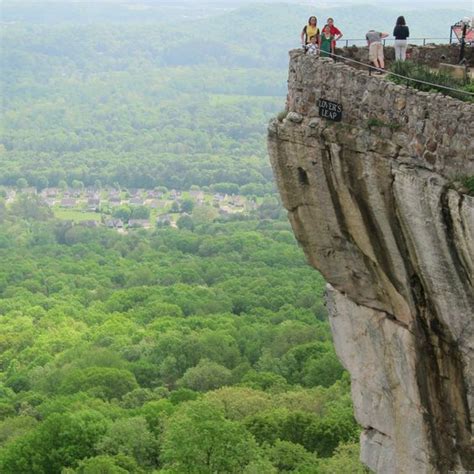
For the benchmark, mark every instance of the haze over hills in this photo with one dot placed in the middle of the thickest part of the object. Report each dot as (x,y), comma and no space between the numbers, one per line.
(279,19)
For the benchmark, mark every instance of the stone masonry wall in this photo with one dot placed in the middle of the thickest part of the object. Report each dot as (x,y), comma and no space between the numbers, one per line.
(373,200)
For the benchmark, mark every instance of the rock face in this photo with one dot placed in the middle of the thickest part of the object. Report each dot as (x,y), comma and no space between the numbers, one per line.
(375,204)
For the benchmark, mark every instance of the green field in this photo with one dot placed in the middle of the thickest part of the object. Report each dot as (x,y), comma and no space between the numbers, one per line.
(76,215)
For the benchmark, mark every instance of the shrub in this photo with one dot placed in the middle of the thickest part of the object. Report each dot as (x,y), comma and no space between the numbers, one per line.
(424,73)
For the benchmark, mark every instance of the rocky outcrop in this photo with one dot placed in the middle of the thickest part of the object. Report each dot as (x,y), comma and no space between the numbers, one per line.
(374,202)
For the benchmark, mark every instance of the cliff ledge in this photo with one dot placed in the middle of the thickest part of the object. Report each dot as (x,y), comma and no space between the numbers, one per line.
(375,203)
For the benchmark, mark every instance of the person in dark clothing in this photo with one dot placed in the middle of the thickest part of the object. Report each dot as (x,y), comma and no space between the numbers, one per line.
(401,33)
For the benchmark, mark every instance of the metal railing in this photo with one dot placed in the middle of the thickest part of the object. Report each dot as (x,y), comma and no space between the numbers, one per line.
(371,68)
(415,41)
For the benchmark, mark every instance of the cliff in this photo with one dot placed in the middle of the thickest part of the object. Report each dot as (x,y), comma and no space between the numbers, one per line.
(375,203)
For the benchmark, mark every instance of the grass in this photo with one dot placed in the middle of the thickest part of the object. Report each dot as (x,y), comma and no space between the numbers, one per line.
(468,182)
(76,215)
(423,73)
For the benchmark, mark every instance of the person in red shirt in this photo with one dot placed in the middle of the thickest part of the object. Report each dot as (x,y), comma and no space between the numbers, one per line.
(334,32)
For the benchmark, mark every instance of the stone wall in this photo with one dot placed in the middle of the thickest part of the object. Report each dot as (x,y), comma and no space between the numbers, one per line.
(373,202)
(416,127)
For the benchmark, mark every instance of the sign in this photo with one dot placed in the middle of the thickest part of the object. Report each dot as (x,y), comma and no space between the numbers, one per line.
(330,110)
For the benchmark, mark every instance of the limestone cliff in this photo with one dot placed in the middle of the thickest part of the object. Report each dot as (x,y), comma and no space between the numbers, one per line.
(374,203)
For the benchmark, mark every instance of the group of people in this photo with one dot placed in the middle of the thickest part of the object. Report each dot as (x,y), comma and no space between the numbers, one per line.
(316,42)
(324,43)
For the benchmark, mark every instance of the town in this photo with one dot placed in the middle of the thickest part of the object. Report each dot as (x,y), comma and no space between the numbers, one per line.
(124,209)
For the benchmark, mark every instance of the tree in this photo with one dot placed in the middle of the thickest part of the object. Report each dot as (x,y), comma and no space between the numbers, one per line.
(42,182)
(31,207)
(3,210)
(185,222)
(199,439)
(77,185)
(105,464)
(238,403)
(206,376)
(267,426)
(187,205)
(204,214)
(59,441)
(131,437)
(291,457)
(338,425)
(13,427)
(100,465)
(122,212)
(174,207)
(140,212)
(324,370)
(104,382)
(62,184)
(345,459)
(21,184)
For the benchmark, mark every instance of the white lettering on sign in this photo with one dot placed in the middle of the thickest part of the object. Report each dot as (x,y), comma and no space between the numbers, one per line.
(330,110)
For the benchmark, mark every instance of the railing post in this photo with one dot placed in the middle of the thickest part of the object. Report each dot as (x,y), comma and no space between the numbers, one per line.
(347,43)
(424,41)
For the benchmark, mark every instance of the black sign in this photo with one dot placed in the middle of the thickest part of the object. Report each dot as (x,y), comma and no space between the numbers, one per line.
(330,110)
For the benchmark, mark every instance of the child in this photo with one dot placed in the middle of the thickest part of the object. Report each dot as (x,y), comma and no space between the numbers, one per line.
(312,47)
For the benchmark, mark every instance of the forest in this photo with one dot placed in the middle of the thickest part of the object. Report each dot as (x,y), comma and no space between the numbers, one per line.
(166,351)
(204,348)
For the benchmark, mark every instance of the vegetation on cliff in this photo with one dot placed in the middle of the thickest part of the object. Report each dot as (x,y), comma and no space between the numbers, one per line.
(432,81)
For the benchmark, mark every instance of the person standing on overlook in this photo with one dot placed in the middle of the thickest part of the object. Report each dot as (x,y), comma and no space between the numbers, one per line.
(326,42)
(336,32)
(401,33)
(374,40)
(310,30)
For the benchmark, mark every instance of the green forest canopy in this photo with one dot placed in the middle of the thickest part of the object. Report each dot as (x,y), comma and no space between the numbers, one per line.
(166,351)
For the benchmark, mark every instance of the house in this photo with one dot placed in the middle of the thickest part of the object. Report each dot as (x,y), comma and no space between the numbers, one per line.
(218,197)
(89,223)
(134,192)
(175,194)
(114,200)
(68,203)
(154,194)
(136,201)
(114,223)
(154,204)
(197,195)
(139,223)
(163,219)
(237,201)
(50,192)
(93,204)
